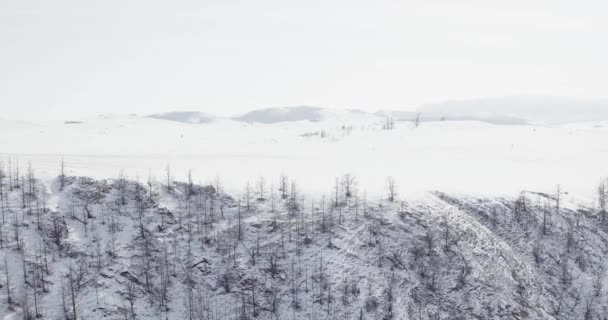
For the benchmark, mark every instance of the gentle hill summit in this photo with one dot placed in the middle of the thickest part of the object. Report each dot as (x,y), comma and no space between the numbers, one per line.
(301,113)
(282,114)
(184,116)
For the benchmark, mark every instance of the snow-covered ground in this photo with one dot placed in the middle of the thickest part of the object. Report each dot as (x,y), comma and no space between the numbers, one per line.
(466,156)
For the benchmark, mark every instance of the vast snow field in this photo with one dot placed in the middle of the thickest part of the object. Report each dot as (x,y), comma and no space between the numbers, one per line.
(467,157)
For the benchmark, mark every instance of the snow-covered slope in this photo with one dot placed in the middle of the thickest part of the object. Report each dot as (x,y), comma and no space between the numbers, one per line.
(118,249)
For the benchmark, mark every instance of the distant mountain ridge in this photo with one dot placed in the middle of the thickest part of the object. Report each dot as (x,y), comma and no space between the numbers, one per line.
(515,110)
(533,109)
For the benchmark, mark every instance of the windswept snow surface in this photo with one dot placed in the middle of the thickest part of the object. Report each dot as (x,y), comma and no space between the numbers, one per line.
(468,157)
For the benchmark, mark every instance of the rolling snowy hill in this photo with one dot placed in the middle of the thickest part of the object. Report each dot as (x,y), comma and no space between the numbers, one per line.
(184,116)
(80,248)
(303,113)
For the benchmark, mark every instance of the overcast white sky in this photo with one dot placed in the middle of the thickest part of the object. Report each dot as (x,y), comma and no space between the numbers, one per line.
(64,58)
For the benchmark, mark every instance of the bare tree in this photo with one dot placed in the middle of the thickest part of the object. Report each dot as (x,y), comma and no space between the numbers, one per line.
(248,196)
(389,124)
(558,197)
(272,199)
(602,196)
(9,297)
(169,184)
(389,298)
(537,253)
(2,192)
(121,185)
(283,186)
(62,176)
(417,120)
(240,228)
(190,189)
(292,203)
(391,188)
(10,174)
(151,183)
(73,289)
(218,184)
(349,184)
(131,297)
(546,219)
(337,193)
(261,189)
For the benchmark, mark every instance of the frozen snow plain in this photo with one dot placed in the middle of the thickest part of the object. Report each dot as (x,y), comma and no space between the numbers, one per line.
(457,156)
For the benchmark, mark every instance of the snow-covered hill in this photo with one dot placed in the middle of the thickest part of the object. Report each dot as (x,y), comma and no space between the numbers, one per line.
(511,110)
(80,248)
(304,113)
(184,116)
(274,115)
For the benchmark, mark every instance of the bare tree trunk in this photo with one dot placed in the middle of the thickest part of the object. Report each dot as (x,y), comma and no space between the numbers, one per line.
(9,298)
(392,189)
(168,175)
(73,294)
(62,176)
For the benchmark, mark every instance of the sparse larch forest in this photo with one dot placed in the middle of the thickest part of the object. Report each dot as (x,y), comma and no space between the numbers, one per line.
(129,248)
